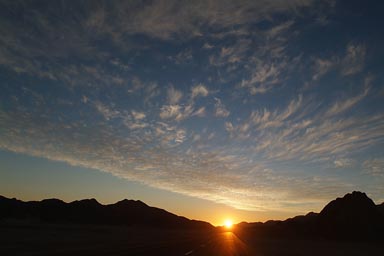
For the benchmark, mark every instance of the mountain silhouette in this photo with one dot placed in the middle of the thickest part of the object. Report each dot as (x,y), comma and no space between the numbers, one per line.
(352,217)
(89,211)
(381,209)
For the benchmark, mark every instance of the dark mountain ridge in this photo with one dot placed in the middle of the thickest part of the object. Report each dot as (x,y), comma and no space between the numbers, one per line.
(352,217)
(90,211)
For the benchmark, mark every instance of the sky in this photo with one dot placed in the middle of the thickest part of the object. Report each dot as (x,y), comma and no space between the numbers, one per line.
(250,110)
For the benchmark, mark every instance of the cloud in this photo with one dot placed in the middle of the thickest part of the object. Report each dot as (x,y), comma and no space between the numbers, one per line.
(176,112)
(180,136)
(133,119)
(267,66)
(318,140)
(136,125)
(138,115)
(352,62)
(277,30)
(118,63)
(322,66)
(265,118)
(152,91)
(374,167)
(170,111)
(292,133)
(220,110)
(199,90)
(84,99)
(169,19)
(136,84)
(344,163)
(107,112)
(229,126)
(200,112)
(346,104)
(354,59)
(174,96)
(182,57)
(231,54)
(207,46)
(261,80)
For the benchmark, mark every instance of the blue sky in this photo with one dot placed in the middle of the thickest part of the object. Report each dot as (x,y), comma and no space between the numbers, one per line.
(261,106)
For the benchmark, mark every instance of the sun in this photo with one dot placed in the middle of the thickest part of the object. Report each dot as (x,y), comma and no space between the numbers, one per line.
(228,224)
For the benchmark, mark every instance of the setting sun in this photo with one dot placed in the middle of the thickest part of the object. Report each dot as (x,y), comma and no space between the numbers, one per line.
(228,223)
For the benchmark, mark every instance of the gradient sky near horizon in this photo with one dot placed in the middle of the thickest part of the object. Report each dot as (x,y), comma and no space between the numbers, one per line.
(250,110)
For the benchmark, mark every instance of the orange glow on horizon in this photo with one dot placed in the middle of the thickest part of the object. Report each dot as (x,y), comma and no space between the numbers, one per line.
(228,223)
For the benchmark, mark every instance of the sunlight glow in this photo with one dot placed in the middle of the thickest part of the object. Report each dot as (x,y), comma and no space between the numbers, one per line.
(228,224)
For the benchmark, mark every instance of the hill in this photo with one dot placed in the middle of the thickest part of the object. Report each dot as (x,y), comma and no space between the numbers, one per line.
(91,212)
(354,217)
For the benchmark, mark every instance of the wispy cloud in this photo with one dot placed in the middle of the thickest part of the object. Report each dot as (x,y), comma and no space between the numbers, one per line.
(200,112)
(374,166)
(354,59)
(167,19)
(105,111)
(322,66)
(267,64)
(346,104)
(277,30)
(170,111)
(265,118)
(351,62)
(344,163)
(174,96)
(199,90)
(220,109)
(292,133)
(232,54)
(138,115)
(176,112)
(262,80)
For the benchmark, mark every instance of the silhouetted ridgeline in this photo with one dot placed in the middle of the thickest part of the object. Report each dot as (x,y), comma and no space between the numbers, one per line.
(89,211)
(352,217)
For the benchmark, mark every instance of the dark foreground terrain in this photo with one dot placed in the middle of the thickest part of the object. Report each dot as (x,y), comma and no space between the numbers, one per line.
(47,240)
(352,225)
(96,240)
